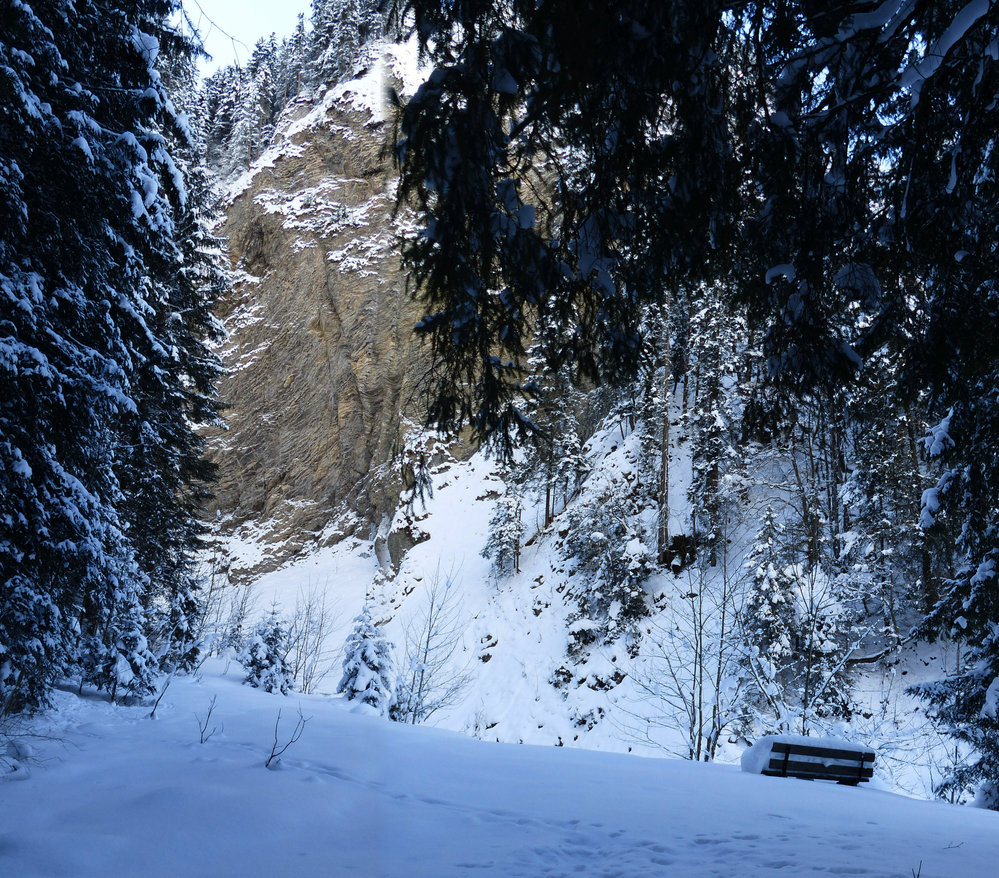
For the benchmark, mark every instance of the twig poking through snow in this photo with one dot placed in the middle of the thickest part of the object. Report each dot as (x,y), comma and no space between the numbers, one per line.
(277,750)
(203,724)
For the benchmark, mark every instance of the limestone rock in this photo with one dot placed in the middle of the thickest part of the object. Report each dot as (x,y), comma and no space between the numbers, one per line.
(321,360)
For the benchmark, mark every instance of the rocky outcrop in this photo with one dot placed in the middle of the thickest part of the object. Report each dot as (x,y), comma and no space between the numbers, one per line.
(321,361)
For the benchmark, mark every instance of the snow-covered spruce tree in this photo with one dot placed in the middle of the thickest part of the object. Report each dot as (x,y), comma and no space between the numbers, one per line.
(655,411)
(239,106)
(342,31)
(966,704)
(506,533)
(92,272)
(796,631)
(163,472)
(291,69)
(607,541)
(768,619)
(368,668)
(265,656)
(218,109)
(713,419)
(554,460)
(111,651)
(891,557)
(258,107)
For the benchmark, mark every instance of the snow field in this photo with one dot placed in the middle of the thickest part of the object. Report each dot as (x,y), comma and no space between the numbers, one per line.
(112,792)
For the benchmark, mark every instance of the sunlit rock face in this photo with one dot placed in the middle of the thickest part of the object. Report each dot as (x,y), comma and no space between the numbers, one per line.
(321,360)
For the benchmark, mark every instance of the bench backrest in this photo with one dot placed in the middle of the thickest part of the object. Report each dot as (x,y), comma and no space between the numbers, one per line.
(820,763)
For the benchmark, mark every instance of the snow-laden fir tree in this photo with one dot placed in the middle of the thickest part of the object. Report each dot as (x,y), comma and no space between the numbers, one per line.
(368,668)
(111,650)
(966,702)
(713,420)
(342,31)
(555,460)
(265,656)
(796,631)
(506,533)
(889,554)
(97,265)
(608,542)
(769,618)
(163,471)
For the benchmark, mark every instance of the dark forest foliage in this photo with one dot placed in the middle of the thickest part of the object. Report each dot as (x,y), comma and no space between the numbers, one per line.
(829,167)
(106,279)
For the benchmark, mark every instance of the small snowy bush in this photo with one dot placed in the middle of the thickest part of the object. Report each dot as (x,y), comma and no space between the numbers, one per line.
(265,656)
(368,669)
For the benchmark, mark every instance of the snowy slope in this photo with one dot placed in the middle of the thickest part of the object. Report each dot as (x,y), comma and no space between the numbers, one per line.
(112,792)
(515,638)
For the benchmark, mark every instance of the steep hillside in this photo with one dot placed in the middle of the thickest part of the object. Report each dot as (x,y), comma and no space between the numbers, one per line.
(532,668)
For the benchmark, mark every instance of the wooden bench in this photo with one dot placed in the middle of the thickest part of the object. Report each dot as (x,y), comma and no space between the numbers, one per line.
(816,761)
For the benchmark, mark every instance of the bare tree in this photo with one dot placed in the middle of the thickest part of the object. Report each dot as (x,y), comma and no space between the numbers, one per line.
(241,605)
(310,656)
(216,595)
(434,674)
(688,674)
(207,733)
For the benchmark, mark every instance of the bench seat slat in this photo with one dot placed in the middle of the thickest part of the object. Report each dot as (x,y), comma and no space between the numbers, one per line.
(817,769)
(825,752)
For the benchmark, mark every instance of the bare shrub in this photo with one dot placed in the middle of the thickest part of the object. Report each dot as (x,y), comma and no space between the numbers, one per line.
(310,655)
(433,674)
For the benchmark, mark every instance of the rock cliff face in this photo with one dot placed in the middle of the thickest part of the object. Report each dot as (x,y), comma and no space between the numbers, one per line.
(321,361)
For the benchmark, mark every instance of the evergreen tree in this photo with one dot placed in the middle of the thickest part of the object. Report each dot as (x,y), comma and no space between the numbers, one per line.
(342,30)
(713,420)
(93,275)
(968,610)
(607,540)
(555,458)
(506,534)
(163,472)
(291,65)
(768,618)
(111,650)
(796,630)
(368,669)
(265,656)
(218,108)
(898,562)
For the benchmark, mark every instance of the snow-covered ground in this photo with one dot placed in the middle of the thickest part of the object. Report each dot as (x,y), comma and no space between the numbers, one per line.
(111,792)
